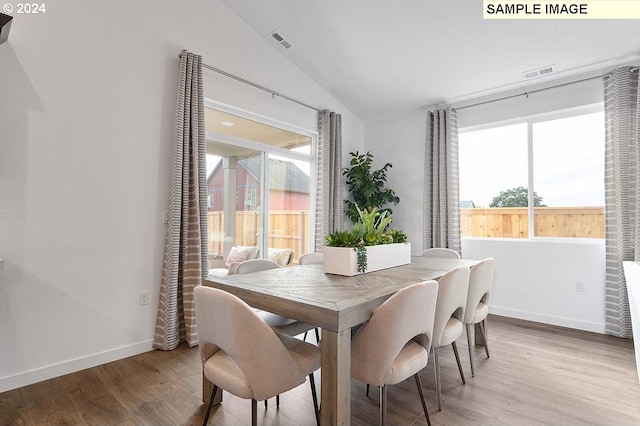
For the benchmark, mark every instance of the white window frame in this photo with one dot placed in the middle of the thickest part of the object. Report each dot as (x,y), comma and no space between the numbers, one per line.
(265,150)
(530,120)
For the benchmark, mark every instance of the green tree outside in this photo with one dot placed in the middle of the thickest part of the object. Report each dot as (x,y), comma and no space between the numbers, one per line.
(516,197)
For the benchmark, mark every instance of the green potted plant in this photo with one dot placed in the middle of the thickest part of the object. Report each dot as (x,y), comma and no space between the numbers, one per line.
(370,245)
(367,186)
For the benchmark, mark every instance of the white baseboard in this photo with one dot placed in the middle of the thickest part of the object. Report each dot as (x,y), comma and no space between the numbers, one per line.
(548,319)
(60,369)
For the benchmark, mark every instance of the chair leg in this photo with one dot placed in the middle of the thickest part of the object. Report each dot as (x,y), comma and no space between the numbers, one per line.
(383,405)
(317,335)
(214,392)
(266,404)
(254,412)
(315,398)
(367,392)
(424,404)
(436,364)
(470,343)
(483,328)
(278,401)
(305,336)
(455,352)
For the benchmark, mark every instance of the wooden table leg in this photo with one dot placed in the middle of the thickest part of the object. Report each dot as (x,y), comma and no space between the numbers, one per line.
(336,378)
(206,392)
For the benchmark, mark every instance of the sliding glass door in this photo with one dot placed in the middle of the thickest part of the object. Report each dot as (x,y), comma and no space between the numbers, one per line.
(259,177)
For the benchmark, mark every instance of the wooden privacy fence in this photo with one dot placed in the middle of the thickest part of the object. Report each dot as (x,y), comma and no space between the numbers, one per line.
(512,222)
(287,229)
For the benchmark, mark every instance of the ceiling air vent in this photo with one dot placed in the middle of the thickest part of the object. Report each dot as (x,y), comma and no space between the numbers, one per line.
(540,72)
(277,37)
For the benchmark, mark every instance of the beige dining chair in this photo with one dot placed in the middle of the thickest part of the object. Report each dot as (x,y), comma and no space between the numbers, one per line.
(282,324)
(477,308)
(394,344)
(448,325)
(441,253)
(256,265)
(244,356)
(311,258)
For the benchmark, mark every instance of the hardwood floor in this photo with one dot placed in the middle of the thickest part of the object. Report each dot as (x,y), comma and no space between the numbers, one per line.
(537,374)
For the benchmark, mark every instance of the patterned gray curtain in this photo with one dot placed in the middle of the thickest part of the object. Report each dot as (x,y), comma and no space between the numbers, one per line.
(329,203)
(185,257)
(441,225)
(622,198)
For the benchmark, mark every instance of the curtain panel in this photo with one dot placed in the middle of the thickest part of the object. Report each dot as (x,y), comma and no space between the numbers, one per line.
(329,203)
(622,187)
(185,257)
(441,210)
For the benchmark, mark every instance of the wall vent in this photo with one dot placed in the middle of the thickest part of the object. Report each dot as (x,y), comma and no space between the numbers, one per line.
(540,72)
(277,37)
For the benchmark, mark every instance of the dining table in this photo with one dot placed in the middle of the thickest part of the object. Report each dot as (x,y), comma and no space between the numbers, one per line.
(335,303)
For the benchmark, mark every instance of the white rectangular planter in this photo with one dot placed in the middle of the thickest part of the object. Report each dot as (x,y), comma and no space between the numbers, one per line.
(343,260)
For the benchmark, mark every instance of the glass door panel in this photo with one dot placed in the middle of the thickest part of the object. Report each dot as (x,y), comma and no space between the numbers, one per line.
(234,176)
(289,205)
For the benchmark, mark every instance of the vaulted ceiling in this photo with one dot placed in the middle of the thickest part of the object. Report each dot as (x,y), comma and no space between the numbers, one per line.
(384,57)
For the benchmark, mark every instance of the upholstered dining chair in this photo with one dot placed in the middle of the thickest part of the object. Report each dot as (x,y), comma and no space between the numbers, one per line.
(244,356)
(255,265)
(477,307)
(282,324)
(440,253)
(394,344)
(452,300)
(311,258)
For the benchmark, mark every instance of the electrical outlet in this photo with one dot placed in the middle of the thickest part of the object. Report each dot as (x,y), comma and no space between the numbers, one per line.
(580,286)
(144,298)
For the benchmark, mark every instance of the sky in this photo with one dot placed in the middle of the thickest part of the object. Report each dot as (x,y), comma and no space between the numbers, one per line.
(568,161)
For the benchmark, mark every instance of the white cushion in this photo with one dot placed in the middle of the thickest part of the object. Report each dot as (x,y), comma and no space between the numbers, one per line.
(237,254)
(280,255)
(253,251)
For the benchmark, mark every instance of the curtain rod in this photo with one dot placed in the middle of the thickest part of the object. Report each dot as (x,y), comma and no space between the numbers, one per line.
(540,90)
(257,86)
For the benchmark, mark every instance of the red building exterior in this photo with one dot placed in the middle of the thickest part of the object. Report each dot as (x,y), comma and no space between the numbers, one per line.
(289,186)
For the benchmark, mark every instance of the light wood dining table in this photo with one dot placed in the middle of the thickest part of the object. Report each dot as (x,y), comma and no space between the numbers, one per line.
(334,303)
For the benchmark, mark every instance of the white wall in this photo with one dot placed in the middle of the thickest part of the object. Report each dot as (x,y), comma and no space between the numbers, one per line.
(535,280)
(400,141)
(87,104)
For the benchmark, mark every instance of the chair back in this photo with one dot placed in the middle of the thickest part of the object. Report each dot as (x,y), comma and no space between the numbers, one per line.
(406,315)
(311,258)
(441,253)
(632,278)
(226,323)
(255,265)
(480,281)
(452,299)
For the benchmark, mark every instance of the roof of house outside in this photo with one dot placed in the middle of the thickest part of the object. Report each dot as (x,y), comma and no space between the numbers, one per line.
(467,204)
(285,176)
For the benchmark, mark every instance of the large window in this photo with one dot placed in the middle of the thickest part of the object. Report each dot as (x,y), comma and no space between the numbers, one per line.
(259,181)
(541,176)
